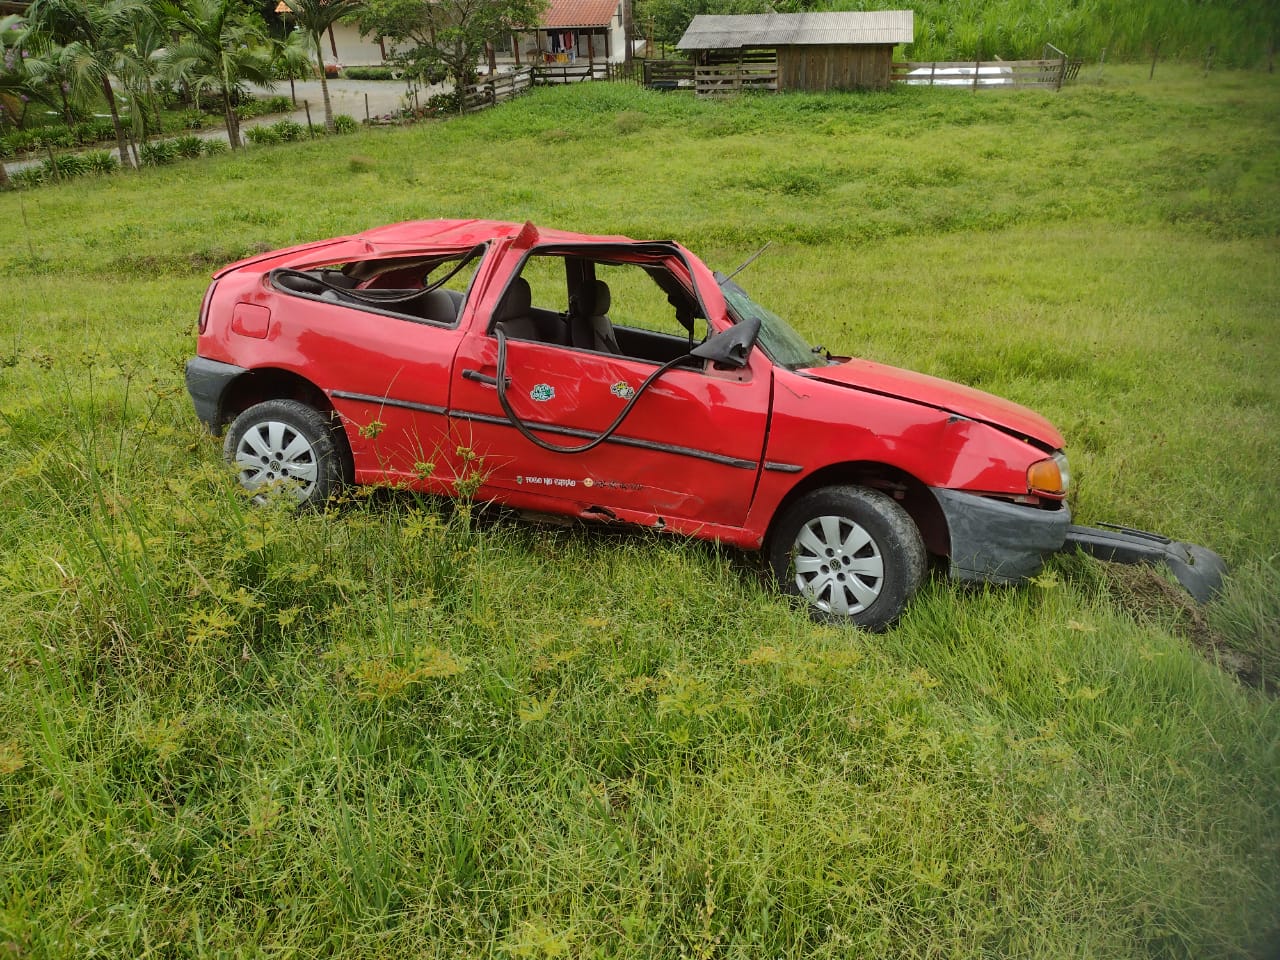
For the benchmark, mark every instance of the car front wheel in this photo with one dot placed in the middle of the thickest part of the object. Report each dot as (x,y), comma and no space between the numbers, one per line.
(286,444)
(853,554)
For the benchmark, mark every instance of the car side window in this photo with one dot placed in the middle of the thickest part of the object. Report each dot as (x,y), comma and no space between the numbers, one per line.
(602,305)
(424,288)
(639,301)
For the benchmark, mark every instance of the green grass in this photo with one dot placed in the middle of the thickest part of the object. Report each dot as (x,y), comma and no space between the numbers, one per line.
(394,730)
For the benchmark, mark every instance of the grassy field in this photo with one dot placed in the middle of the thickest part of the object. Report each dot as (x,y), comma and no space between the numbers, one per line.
(396,729)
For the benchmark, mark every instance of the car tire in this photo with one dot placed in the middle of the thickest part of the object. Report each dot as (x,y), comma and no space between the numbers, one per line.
(289,444)
(852,553)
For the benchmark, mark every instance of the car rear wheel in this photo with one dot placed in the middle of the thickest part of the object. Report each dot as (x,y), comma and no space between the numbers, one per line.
(853,554)
(286,444)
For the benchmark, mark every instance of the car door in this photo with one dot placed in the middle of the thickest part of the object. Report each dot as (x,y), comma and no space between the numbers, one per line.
(687,455)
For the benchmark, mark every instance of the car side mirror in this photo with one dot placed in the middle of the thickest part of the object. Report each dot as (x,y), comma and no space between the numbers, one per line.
(730,348)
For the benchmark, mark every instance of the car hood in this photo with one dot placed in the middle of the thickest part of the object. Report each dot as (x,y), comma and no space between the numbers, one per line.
(942,394)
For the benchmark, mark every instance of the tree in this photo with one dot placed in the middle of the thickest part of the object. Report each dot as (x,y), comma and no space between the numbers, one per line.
(293,60)
(222,49)
(92,38)
(314,17)
(448,35)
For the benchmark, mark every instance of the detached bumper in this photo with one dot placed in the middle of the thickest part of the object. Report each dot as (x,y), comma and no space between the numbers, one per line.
(1198,569)
(206,382)
(997,541)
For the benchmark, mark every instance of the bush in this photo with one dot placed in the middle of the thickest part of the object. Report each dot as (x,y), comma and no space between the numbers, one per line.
(93,131)
(30,177)
(158,154)
(100,161)
(64,167)
(344,123)
(189,146)
(262,135)
(289,130)
(443,103)
(196,120)
(369,73)
(20,141)
(212,148)
(260,108)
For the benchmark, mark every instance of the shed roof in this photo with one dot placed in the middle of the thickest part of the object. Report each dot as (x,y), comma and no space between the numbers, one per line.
(562,14)
(728,32)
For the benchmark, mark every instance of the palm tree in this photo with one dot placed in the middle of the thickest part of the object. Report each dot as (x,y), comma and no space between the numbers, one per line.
(221,50)
(293,60)
(91,36)
(315,17)
(142,57)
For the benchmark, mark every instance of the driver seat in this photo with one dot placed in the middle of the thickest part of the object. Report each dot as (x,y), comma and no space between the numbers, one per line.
(590,327)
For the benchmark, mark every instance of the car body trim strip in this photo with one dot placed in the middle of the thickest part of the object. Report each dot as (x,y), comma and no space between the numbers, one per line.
(388,402)
(782,467)
(624,441)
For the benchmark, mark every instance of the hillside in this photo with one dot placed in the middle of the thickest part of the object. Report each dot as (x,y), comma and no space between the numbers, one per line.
(399,729)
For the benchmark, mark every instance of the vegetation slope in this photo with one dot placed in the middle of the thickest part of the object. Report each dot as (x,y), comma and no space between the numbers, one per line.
(391,729)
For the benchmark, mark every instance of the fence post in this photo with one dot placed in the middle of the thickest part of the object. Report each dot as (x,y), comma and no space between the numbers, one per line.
(1062,72)
(977,68)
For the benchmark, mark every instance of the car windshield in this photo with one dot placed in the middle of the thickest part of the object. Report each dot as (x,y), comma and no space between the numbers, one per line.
(783,345)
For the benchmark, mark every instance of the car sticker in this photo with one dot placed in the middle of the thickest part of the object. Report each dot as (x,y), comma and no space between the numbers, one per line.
(546,481)
(622,390)
(542,392)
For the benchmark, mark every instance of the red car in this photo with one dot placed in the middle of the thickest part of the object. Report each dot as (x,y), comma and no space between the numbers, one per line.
(616,380)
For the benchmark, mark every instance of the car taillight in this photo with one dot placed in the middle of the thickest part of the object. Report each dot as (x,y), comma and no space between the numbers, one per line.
(203,319)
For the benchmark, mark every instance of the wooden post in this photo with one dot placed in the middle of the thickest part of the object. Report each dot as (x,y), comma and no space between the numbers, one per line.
(366,108)
(977,67)
(1208,58)
(311,131)
(1062,72)
(515,47)
(1155,55)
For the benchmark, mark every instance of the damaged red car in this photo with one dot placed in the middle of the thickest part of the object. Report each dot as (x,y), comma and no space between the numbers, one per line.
(616,380)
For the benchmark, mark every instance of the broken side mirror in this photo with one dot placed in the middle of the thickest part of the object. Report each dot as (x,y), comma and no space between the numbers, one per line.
(730,348)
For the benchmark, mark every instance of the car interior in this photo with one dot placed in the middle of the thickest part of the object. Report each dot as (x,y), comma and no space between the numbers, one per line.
(635,310)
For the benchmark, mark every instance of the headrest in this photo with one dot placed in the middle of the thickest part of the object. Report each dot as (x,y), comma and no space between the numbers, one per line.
(516,301)
(602,299)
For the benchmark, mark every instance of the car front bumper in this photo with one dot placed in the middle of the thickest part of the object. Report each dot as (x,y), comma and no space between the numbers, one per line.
(997,541)
(1002,542)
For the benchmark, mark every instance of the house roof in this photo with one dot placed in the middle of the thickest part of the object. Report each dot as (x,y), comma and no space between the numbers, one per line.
(708,32)
(562,14)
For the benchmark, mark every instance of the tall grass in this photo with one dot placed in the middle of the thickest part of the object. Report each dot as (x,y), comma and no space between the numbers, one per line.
(399,728)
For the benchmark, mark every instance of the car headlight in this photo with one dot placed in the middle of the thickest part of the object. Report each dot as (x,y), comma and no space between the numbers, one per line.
(1049,476)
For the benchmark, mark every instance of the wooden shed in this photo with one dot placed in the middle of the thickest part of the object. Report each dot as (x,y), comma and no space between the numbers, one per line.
(796,51)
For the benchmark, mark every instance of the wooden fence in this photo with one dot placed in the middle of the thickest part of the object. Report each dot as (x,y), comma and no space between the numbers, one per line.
(555,73)
(667,74)
(752,70)
(504,86)
(989,74)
